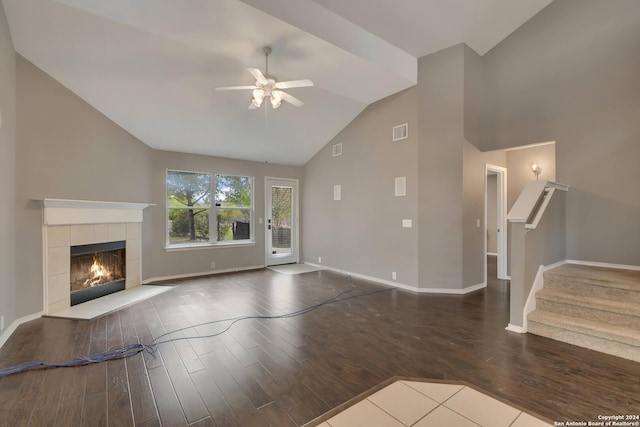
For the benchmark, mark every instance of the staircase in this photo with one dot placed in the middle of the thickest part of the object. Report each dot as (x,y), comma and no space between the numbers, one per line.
(593,307)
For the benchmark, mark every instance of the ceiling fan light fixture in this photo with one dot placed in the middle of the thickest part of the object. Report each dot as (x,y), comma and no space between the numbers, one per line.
(268,87)
(276,98)
(258,94)
(257,102)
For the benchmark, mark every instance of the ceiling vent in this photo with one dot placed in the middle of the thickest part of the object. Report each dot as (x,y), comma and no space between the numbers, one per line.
(401,132)
(337,150)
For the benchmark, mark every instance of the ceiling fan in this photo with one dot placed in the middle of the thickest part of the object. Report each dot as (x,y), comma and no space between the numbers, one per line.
(267,86)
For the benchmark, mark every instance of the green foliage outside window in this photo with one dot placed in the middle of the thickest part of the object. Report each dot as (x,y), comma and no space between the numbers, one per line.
(189,207)
(233,206)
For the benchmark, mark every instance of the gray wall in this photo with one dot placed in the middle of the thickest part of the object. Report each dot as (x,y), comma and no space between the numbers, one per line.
(67,150)
(570,74)
(519,168)
(475,95)
(7,171)
(161,262)
(363,232)
(441,118)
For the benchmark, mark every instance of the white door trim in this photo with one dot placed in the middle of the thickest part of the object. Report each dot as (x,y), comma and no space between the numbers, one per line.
(501,211)
(296,208)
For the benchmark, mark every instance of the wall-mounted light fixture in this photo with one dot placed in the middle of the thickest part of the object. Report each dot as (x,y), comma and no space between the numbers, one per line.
(536,169)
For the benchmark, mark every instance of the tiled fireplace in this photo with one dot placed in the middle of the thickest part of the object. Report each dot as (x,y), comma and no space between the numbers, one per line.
(72,226)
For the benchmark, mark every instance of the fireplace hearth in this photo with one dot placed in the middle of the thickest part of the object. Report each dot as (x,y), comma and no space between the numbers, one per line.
(97,270)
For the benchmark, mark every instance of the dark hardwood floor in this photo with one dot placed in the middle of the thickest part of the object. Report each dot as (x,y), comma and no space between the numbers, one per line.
(287,372)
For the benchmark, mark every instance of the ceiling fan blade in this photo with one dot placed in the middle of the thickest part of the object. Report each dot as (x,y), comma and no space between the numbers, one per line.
(294,83)
(257,74)
(236,87)
(292,99)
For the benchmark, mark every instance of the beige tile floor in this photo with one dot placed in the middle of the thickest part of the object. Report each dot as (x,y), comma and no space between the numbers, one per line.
(424,404)
(108,303)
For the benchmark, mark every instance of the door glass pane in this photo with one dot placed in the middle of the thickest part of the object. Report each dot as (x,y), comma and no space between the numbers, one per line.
(281,220)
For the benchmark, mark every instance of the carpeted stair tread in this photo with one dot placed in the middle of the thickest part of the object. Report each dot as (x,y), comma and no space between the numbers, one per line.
(596,276)
(619,349)
(591,307)
(625,306)
(604,331)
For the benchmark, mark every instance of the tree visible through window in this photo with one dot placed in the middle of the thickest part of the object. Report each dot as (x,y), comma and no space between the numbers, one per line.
(191,215)
(233,207)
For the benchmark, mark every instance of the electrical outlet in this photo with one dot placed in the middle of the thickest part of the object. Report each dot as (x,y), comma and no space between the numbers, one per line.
(319,260)
(2,323)
(213,264)
(393,275)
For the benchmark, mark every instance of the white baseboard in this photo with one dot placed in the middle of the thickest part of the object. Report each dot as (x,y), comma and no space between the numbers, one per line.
(203,273)
(401,285)
(4,337)
(515,328)
(604,264)
(473,288)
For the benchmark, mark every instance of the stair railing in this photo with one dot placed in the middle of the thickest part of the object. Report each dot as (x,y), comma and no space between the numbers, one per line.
(536,209)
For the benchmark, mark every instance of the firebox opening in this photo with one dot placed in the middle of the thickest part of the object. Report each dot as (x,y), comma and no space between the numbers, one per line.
(97,270)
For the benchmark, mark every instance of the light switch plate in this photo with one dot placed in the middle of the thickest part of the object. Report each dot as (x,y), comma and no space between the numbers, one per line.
(407,223)
(337,192)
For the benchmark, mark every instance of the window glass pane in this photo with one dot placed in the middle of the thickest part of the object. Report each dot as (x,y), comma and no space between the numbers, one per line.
(233,191)
(188,226)
(233,224)
(188,189)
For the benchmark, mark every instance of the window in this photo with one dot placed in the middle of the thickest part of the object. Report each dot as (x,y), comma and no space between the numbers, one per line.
(192,219)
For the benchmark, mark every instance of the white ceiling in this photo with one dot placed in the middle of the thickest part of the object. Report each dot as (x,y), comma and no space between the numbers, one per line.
(151,66)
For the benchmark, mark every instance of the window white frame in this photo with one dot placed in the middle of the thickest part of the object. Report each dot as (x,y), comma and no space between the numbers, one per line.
(213,215)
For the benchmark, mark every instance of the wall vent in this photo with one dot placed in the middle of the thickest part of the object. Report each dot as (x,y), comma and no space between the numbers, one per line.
(401,186)
(337,150)
(337,192)
(401,132)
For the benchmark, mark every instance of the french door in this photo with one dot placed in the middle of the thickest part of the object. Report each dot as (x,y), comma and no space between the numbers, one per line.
(281,221)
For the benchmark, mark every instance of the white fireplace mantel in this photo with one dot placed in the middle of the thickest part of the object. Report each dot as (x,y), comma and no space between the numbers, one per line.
(68,212)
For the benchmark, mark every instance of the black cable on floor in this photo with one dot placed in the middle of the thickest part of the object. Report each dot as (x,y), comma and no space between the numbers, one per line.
(151,347)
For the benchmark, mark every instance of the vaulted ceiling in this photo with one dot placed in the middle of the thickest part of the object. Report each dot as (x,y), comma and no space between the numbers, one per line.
(151,66)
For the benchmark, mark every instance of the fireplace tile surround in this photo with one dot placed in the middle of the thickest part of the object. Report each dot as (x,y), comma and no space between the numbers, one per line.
(60,238)
(70,223)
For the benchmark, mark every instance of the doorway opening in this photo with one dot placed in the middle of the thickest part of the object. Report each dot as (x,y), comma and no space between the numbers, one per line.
(495,214)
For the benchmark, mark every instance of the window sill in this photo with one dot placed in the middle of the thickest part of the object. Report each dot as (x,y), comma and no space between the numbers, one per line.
(197,246)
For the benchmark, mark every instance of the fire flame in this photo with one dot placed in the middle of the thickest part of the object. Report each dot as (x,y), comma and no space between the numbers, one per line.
(101,274)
